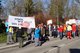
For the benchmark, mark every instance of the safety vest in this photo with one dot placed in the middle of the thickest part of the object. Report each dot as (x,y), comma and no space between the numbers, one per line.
(10,29)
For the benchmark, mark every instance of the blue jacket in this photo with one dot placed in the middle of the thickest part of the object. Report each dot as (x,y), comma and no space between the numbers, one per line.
(7,29)
(6,24)
(37,33)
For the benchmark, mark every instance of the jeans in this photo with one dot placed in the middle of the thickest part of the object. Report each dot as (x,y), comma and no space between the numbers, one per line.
(9,38)
(20,40)
(37,42)
(73,34)
(61,36)
(50,33)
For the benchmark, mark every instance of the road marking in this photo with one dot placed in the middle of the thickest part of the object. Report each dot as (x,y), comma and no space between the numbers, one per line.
(52,49)
(62,45)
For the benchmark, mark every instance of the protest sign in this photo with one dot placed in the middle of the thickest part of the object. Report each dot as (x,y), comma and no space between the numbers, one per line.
(49,22)
(25,22)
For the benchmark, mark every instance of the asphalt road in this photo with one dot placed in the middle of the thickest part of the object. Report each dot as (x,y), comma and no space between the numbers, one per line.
(53,46)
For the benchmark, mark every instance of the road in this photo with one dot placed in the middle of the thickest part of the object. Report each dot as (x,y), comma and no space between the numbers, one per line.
(54,46)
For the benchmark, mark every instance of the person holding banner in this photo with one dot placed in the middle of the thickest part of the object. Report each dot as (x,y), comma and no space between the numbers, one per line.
(19,36)
(9,36)
(29,30)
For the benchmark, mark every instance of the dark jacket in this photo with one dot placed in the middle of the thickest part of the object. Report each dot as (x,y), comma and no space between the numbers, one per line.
(42,31)
(19,33)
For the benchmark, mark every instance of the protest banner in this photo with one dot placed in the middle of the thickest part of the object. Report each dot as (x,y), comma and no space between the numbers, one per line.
(78,22)
(25,22)
(71,21)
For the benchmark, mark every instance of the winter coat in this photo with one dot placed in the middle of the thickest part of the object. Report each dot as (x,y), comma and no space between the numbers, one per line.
(37,33)
(19,33)
(73,28)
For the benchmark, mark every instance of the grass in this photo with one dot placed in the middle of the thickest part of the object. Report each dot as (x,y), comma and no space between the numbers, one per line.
(3,37)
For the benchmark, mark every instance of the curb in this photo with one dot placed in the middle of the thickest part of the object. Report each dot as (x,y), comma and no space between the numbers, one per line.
(8,46)
(12,45)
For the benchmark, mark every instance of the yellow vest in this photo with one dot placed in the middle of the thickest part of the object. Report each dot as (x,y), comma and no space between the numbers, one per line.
(69,28)
(10,29)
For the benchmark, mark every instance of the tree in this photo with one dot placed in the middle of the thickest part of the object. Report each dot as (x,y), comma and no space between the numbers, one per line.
(53,8)
(13,7)
(57,9)
(67,9)
(29,9)
(39,6)
(38,10)
(76,9)
(18,7)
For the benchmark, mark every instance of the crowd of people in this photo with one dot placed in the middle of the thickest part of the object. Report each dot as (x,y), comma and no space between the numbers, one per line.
(41,32)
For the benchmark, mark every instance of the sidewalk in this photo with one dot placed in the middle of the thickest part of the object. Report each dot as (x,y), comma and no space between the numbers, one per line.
(5,46)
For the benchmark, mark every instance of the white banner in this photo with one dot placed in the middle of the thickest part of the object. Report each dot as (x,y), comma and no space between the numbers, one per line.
(26,22)
(78,22)
(49,22)
(71,21)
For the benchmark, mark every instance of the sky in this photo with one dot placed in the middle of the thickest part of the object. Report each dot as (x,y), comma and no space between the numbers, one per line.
(48,1)
(45,2)
(70,3)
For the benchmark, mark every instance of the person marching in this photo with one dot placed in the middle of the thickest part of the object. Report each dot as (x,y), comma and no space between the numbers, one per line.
(64,30)
(54,31)
(9,36)
(60,31)
(37,36)
(69,29)
(20,37)
(73,30)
